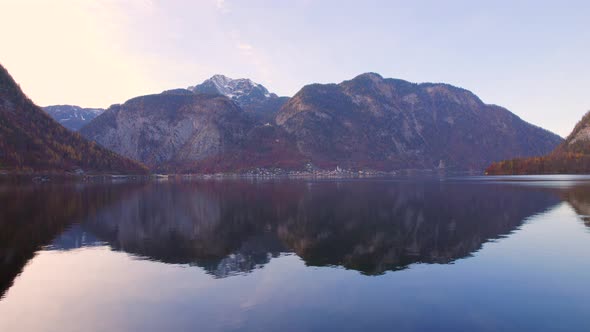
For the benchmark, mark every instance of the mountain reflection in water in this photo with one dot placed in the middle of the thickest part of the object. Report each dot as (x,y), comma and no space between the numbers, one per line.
(229,228)
(234,227)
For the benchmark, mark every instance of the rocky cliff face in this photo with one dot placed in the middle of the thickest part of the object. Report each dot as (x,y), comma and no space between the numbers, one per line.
(254,98)
(71,116)
(579,140)
(382,123)
(170,127)
(30,140)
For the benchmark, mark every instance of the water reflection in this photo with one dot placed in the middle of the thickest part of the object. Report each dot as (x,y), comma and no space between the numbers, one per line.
(32,216)
(579,199)
(178,244)
(229,228)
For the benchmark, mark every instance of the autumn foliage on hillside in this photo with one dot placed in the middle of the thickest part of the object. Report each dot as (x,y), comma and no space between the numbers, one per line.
(566,163)
(570,157)
(31,141)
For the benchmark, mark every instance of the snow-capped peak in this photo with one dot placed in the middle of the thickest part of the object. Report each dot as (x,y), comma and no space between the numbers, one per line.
(241,89)
(221,82)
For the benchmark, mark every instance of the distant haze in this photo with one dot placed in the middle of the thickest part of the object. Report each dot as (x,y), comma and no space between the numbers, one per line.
(528,56)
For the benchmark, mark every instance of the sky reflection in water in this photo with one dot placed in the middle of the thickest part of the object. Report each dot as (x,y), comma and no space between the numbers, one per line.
(411,254)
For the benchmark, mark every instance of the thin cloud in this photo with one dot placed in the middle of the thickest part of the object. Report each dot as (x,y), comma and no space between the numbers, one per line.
(222,6)
(245,47)
(256,58)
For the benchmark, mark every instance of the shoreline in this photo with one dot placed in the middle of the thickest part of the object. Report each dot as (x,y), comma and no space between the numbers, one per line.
(59,177)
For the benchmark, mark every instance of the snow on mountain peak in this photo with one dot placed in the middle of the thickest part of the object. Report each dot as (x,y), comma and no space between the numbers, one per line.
(236,89)
(72,116)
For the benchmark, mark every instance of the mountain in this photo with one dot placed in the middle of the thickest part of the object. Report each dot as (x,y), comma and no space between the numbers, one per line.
(254,98)
(372,122)
(30,140)
(365,123)
(179,132)
(155,129)
(71,116)
(571,156)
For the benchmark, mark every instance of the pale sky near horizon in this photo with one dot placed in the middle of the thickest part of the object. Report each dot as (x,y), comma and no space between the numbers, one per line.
(528,56)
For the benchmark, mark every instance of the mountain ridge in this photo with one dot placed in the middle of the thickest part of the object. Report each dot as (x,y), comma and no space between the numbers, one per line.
(72,117)
(370,121)
(32,141)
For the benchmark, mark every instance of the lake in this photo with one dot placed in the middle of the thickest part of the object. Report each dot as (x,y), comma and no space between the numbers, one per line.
(404,254)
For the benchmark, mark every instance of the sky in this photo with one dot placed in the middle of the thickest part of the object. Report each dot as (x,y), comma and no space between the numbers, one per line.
(531,57)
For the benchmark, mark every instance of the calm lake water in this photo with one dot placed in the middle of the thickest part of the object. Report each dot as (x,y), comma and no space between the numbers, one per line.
(413,254)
